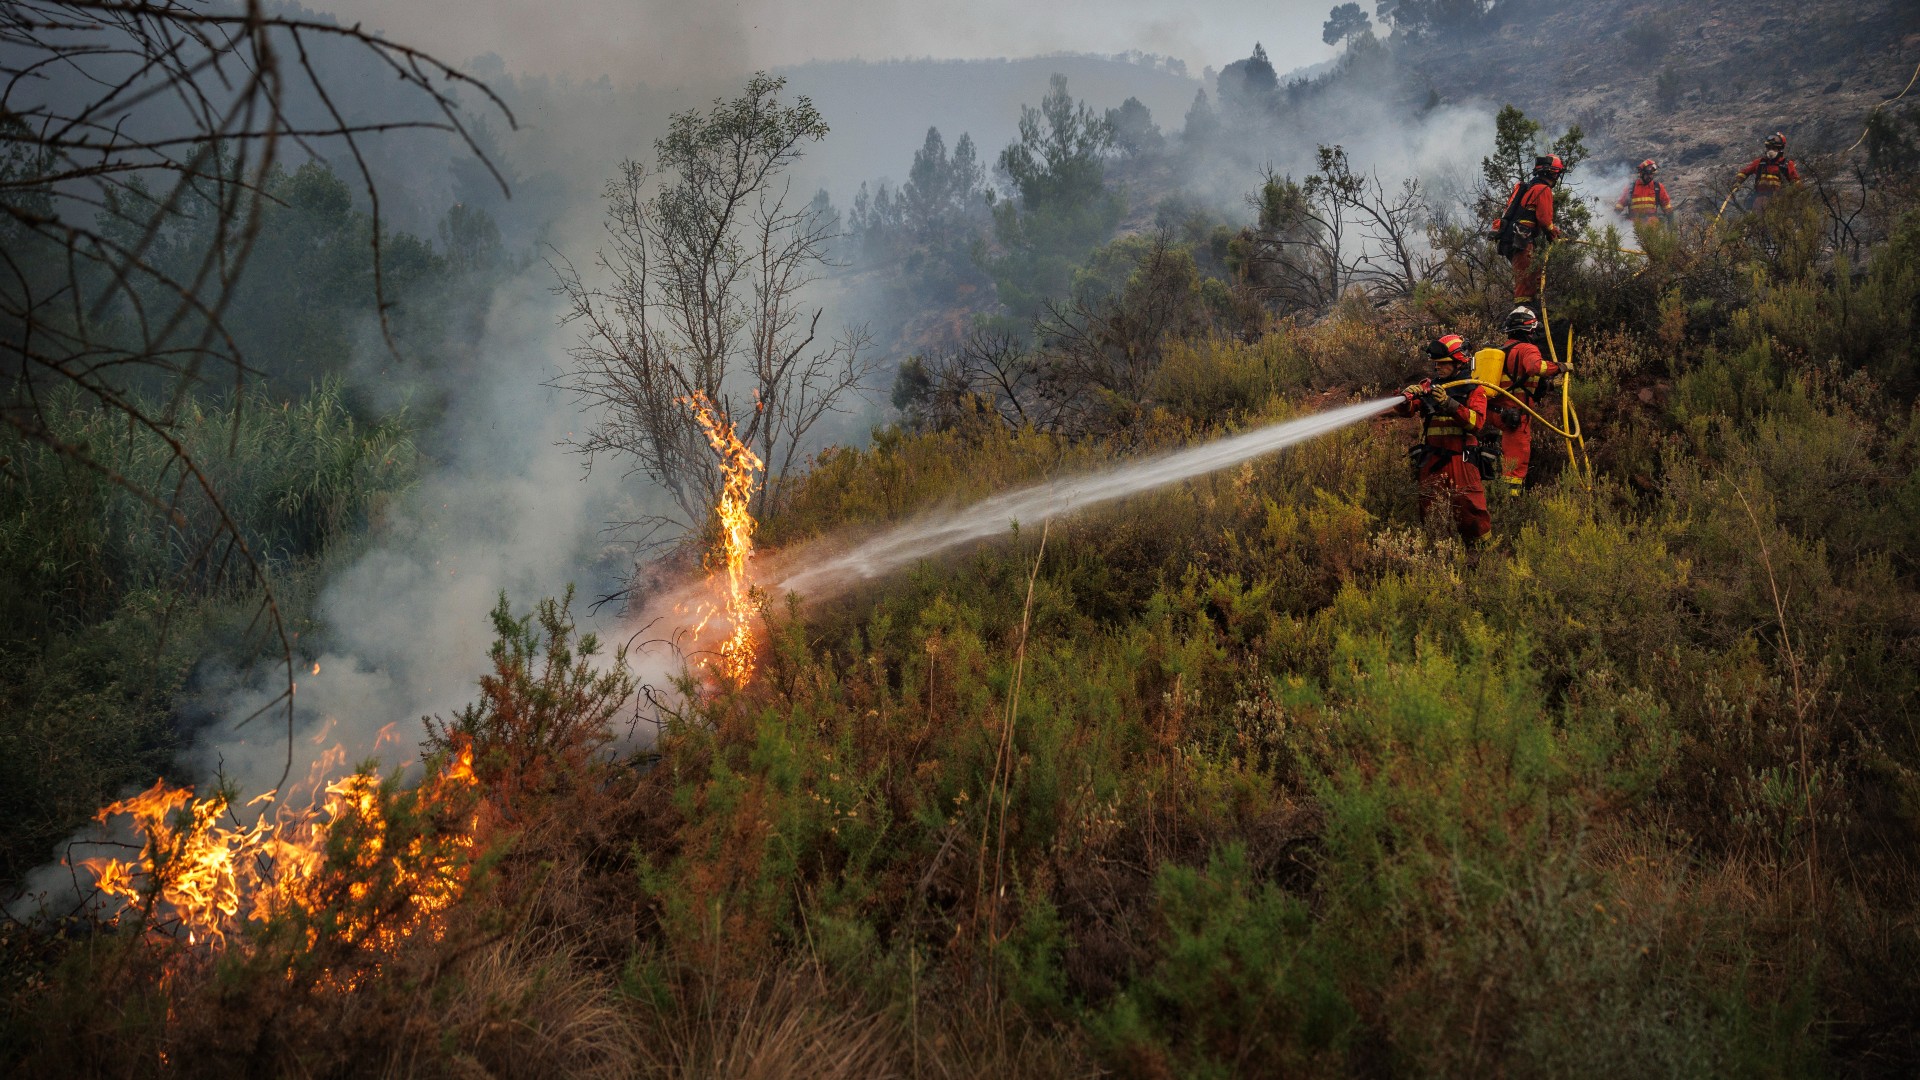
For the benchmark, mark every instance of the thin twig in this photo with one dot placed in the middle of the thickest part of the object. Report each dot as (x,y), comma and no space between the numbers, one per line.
(1794,665)
(1002,777)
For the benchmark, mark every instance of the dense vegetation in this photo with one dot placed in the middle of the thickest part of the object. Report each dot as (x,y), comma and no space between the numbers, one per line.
(116,581)
(1257,774)
(107,611)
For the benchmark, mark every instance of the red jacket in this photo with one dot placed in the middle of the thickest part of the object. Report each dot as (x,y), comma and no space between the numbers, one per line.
(1645,201)
(1536,205)
(1525,368)
(1449,430)
(1771,176)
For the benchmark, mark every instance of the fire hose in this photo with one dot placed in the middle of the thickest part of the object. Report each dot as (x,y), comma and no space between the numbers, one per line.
(1868,130)
(1576,439)
(1572,419)
(1876,110)
(1735,190)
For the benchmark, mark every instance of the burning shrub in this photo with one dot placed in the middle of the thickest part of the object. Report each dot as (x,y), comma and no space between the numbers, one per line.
(544,712)
(352,875)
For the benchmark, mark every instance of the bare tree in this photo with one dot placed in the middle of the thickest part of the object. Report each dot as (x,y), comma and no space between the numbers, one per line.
(1335,230)
(1103,352)
(708,272)
(119,118)
(1391,261)
(1844,193)
(991,374)
(1296,254)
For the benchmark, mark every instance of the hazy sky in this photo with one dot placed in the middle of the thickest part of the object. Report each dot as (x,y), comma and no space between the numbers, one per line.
(662,41)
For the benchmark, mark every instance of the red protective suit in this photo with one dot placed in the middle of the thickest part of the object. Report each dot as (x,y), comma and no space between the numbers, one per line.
(1536,217)
(1769,176)
(1444,472)
(1521,377)
(1645,203)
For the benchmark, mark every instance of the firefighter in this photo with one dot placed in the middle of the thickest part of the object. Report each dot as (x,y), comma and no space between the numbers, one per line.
(1447,461)
(1645,201)
(1771,171)
(1527,222)
(1523,376)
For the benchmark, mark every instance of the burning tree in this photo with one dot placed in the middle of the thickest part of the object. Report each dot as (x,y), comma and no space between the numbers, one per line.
(709,259)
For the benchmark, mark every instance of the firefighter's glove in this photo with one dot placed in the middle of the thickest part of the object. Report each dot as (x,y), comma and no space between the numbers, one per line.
(1437,402)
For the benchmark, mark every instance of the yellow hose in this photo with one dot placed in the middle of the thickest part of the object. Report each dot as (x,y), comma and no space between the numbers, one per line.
(1871,113)
(1582,465)
(1568,416)
(1576,441)
(1737,184)
(1502,391)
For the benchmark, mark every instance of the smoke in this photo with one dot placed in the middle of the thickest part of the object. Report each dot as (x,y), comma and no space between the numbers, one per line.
(402,626)
(1383,124)
(673,42)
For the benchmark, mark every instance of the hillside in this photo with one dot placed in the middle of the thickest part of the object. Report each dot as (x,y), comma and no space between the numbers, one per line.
(1109,694)
(1735,73)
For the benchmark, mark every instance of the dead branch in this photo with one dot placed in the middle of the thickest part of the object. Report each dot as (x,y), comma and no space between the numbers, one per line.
(120,119)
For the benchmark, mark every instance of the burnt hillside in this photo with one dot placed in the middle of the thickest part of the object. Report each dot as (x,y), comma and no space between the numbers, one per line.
(1695,85)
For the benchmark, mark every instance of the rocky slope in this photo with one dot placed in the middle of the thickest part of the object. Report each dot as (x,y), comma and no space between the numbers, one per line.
(1694,85)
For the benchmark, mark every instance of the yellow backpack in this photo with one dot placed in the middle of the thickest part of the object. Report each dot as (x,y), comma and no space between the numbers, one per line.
(1490,367)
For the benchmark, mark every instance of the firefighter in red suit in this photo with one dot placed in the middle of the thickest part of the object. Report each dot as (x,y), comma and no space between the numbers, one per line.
(1445,462)
(1522,377)
(1645,201)
(1527,223)
(1771,171)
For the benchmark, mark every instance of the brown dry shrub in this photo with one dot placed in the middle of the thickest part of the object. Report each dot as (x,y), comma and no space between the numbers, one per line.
(524,1007)
(781,1024)
(1354,348)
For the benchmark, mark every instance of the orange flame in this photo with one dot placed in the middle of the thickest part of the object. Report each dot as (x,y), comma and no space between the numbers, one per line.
(201,878)
(740,468)
(188,859)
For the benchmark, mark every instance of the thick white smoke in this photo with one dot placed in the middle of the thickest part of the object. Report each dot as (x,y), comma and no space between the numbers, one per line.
(403,628)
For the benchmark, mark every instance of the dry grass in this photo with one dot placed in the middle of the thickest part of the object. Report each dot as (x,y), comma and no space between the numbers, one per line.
(775,1026)
(522,1008)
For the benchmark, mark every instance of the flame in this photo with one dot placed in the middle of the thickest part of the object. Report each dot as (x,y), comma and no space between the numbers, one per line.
(188,860)
(740,468)
(200,875)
